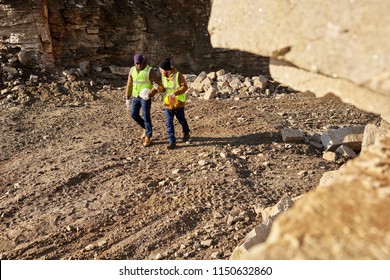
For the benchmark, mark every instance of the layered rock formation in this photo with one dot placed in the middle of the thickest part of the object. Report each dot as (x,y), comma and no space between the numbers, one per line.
(24,24)
(325,47)
(109,32)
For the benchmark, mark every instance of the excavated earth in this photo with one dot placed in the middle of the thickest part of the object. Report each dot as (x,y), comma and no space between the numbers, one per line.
(76,183)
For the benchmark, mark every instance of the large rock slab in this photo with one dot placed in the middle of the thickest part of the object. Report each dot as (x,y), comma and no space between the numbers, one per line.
(343,42)
(349,219)
(351,136)
(303,80)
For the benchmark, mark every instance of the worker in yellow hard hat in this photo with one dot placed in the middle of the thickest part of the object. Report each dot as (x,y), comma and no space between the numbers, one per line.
(174,88)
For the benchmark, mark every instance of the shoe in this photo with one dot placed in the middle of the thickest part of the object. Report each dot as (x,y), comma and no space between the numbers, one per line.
(171,145)
(143,135)
(186,136)
(147,141)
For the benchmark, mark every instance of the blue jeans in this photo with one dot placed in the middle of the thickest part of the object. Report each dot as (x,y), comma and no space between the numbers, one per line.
(145,121)
(180,116)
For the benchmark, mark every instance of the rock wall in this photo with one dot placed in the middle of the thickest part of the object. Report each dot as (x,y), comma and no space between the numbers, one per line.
(338,47)
(109,32)
(24,24)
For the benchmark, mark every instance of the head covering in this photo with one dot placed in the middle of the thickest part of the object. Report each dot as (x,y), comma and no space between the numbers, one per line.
(138,58)
(165,64)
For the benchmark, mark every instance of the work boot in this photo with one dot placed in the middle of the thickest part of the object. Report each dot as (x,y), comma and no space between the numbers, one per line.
(186,136)
(171,145)
(143,135)
(147,141)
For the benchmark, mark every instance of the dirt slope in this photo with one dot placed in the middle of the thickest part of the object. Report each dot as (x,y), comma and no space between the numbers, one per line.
(75,182)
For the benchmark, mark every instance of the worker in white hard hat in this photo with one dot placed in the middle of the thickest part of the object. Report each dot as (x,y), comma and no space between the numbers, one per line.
(139,93)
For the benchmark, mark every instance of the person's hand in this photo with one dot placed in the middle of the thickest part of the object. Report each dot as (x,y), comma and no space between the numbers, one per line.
(172,98)
(128,103)
(152,93)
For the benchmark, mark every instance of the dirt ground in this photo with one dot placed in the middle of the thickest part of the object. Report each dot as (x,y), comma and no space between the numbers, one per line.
(75,182)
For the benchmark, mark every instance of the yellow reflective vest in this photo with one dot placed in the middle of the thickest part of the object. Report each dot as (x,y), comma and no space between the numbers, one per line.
(170,86)
(141,79)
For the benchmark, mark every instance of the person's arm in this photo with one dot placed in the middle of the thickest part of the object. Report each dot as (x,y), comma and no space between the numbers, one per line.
(157,84)
(157,87)
(129,86)
(183,85)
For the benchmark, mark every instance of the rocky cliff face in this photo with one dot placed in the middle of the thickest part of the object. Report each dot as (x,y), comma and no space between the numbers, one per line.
(23,24)
(109,32)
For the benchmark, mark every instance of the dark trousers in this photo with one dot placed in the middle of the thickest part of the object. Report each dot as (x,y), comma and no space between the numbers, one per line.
(169,118)
(145,121)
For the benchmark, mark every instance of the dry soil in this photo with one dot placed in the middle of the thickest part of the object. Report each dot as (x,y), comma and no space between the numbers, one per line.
(76,183)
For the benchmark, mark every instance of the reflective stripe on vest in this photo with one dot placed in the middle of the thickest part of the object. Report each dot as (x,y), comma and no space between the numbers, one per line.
(140,79)
(171,86)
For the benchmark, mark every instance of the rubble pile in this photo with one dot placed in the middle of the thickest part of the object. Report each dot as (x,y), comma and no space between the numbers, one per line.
(222,85)
(23,81)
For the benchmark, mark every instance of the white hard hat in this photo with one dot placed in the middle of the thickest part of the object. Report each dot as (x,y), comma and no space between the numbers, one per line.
(144,93)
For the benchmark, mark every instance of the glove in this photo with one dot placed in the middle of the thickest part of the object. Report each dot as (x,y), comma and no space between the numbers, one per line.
(128,103)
